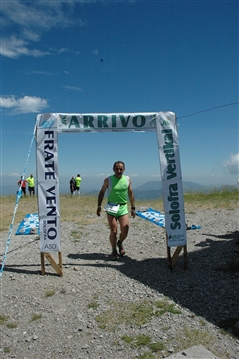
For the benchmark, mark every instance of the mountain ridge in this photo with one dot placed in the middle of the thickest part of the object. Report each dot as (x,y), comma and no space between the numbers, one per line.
(187,185)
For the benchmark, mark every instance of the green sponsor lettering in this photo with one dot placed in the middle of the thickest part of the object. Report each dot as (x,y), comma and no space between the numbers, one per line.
(74,122)
(142,120)
(166,131)
(88,121)
(168,136)
(171,175)
(113,120)
(124,121)
(102,120)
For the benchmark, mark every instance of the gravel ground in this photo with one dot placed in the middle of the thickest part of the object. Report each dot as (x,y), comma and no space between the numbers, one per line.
(93,311)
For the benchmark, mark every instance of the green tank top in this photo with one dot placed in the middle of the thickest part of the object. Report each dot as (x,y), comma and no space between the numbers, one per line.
(30,181)
(78,181)
(118,189)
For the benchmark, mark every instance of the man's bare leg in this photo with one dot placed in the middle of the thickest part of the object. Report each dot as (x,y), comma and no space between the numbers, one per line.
(124,229)
(113,232)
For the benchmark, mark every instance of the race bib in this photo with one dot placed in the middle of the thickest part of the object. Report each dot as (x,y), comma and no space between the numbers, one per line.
(111,207)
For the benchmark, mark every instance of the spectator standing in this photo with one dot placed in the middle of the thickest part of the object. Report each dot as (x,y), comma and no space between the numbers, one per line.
(78,184)
(22,184)
(72,185)
(31,185)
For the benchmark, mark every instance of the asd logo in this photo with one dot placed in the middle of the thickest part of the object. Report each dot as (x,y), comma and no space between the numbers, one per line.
(50,246)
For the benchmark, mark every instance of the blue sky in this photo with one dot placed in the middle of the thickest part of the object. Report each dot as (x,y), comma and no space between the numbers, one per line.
(121,56)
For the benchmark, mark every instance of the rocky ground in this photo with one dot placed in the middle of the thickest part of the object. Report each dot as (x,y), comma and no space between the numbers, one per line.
(133,308)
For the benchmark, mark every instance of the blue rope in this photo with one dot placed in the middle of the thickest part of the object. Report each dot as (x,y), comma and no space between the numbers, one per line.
(19,194)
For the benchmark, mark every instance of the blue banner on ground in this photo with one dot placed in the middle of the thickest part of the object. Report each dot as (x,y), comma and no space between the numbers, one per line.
(153,216)
(158,218)
(29,225)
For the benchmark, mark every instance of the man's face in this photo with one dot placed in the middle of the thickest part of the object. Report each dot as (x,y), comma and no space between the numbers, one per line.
(118,170)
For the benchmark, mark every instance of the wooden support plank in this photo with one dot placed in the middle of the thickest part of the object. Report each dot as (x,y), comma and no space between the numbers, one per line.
(57,267)
(60,261)
(42,264)
(176,254)
(53,263)
(185,256)
(170,266)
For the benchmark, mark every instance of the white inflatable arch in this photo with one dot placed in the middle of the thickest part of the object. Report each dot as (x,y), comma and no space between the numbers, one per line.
(50,124)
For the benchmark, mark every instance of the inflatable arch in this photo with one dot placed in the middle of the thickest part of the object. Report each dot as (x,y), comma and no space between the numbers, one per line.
(48,126)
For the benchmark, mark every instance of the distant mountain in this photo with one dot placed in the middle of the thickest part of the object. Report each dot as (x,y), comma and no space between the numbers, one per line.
(191,186)
(153,190)
(147,194)
(150,185)
(157,185)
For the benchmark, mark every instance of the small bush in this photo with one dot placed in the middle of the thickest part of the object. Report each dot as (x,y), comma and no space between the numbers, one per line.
(93,305)
(12,325)
(3,319)
(49,293)
(35,317)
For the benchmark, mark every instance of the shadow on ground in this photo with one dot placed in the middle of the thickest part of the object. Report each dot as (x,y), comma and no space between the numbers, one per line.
(213,272)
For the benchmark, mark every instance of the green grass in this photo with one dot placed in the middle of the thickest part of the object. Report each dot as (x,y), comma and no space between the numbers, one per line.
(137,341)
(157,347)
(144,340)
(166,307)
(224,197)
(86,205)
(146,355)
(93,305)
(3,319)
(35,317)
(190,337)
(49,293)
(76,235)
(11,325)
(133,313)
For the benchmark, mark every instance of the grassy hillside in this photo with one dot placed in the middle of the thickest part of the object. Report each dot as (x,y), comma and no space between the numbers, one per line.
(82,209)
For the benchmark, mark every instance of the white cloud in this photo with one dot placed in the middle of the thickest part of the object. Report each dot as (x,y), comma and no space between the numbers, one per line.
(25,104)
(63,49)
(38,14)
(30,20)
(13,47)
(73,88)
(14,174)
(232,164)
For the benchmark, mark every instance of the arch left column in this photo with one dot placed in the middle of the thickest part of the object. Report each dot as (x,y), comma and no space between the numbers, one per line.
(48,190)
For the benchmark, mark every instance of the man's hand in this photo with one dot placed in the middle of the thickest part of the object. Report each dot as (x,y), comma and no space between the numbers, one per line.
(98,211)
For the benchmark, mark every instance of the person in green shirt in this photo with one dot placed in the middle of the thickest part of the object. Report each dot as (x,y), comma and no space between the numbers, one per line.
(119,191)
(78,183)
(31,184)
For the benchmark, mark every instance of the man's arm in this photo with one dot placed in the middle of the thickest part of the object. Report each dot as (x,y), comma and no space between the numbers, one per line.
(131,198)
(101,195)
